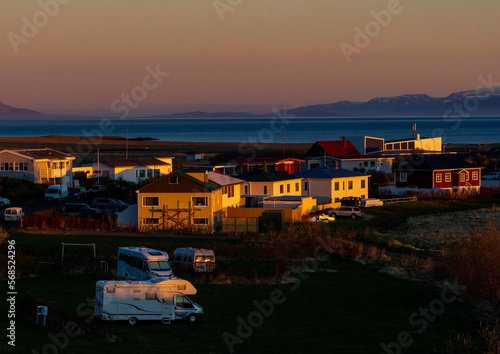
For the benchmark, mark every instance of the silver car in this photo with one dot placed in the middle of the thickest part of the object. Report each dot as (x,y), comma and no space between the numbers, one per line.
(491,176)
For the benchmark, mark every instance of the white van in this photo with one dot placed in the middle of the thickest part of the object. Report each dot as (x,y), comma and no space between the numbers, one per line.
(13,214)
(371,202)
(142,263)
(56,192)
(198,259)
(156,299)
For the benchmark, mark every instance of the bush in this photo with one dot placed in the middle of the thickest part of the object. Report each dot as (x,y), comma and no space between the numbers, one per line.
(475,262)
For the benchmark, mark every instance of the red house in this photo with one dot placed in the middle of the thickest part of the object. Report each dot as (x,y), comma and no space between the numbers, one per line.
(437,172)
(288,165)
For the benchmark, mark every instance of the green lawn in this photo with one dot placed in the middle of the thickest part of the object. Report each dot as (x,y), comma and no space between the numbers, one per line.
(352,310)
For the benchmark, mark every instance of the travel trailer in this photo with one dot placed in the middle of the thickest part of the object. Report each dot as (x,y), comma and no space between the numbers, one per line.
(141,263)
(156,299)
(198,259)
(56,192)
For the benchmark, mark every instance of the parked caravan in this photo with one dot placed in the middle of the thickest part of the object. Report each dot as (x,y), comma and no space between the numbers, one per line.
(156,299)
(198,259)
(141,263)
(56,192)
(371,202)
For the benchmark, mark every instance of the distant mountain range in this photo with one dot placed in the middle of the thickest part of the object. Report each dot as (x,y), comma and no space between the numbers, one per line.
(481,102)
(7,111)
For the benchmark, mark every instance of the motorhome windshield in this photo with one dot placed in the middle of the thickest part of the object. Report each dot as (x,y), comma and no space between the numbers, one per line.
(159,265)
(52,190)
(204,259)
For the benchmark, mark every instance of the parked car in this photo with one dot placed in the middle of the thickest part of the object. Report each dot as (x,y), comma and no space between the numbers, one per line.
(4,202)
(80,210)
(491,176)
(326,218)
(96,188)
(347,211)
(109,204)
(124,205)
(13,214)
(77,192)
(56,192)
(350,201)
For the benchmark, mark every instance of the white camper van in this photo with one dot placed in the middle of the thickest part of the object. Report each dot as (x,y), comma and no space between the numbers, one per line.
(56,192)
(199,259)
(156,299)
(141,263)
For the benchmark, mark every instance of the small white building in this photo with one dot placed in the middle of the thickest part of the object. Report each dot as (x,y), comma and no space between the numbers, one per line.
(132,170)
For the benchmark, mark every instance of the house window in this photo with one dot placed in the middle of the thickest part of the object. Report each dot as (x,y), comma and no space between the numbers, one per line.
(439,177)
(363,184)
(288,188)
(265,189)
(142,173)
(365,163)
(388,147)
(16,166)
(475,175)
(403,177)
(200,221)
(462,177)
(411,145)
(11,166)
(246,190)
(372,163)
(349,184)
(200,201)
(360,165)
(150,173)
(306,186)
(343,186)
(150,221)
(337,186)
(397,146)
(150,201)
(174,180)
(297,186)
(282,189)
(157,172)
(447,177)
(404,146)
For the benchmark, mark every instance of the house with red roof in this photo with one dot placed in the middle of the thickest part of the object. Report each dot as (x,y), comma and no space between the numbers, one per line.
(332,148)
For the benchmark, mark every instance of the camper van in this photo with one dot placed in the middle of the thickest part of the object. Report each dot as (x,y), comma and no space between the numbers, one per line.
(141,263)
(156,299)
(198,259)
(56,192)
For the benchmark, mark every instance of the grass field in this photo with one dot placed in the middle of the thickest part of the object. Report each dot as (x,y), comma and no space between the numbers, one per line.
(351,310)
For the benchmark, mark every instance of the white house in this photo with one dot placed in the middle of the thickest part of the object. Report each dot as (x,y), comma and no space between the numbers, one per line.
(37,165)
(132,170)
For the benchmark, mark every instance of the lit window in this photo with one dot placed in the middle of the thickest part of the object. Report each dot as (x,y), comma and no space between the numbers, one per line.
(403,177)
(150,201)
(475,175)
(439,177)
(447,177)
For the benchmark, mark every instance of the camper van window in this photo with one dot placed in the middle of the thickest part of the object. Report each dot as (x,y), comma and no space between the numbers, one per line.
(159,265)
(137,263)
(110,290)
(150,296)
(184,302)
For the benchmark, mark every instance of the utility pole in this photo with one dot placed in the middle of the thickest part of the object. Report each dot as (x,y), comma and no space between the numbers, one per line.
(284,146)
(98,167)
(126,146)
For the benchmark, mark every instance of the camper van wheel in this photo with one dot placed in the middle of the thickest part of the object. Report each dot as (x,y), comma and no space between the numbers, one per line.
(191,319)
(132,321)
(353,216)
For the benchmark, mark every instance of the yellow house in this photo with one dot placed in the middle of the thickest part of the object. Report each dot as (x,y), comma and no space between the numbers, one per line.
(37,165)
(192,199)
(333,183)
(261,183)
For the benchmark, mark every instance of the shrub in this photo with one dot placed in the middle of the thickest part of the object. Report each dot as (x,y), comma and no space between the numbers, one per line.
(475,262)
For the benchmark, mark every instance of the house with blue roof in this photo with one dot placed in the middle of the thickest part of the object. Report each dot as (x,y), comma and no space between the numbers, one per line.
(333,183)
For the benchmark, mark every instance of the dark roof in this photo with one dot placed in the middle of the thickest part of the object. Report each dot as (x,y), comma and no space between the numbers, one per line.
(259,175)
(329,173)
(133,162)
(260,160)
(46,153)
(436,162)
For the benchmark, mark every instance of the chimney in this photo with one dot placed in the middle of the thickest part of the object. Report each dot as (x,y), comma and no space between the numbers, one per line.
(205,180)
(418,136)
(345,142)
(264,166)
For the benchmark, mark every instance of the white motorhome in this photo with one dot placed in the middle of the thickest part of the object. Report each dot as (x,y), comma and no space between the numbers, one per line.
(56,192)
(199,259)
(156,299)
(142,263)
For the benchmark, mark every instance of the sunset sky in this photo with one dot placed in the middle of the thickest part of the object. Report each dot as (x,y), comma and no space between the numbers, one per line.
(255,56)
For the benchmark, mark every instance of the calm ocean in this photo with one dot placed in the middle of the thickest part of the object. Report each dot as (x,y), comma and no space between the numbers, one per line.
(297,130)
